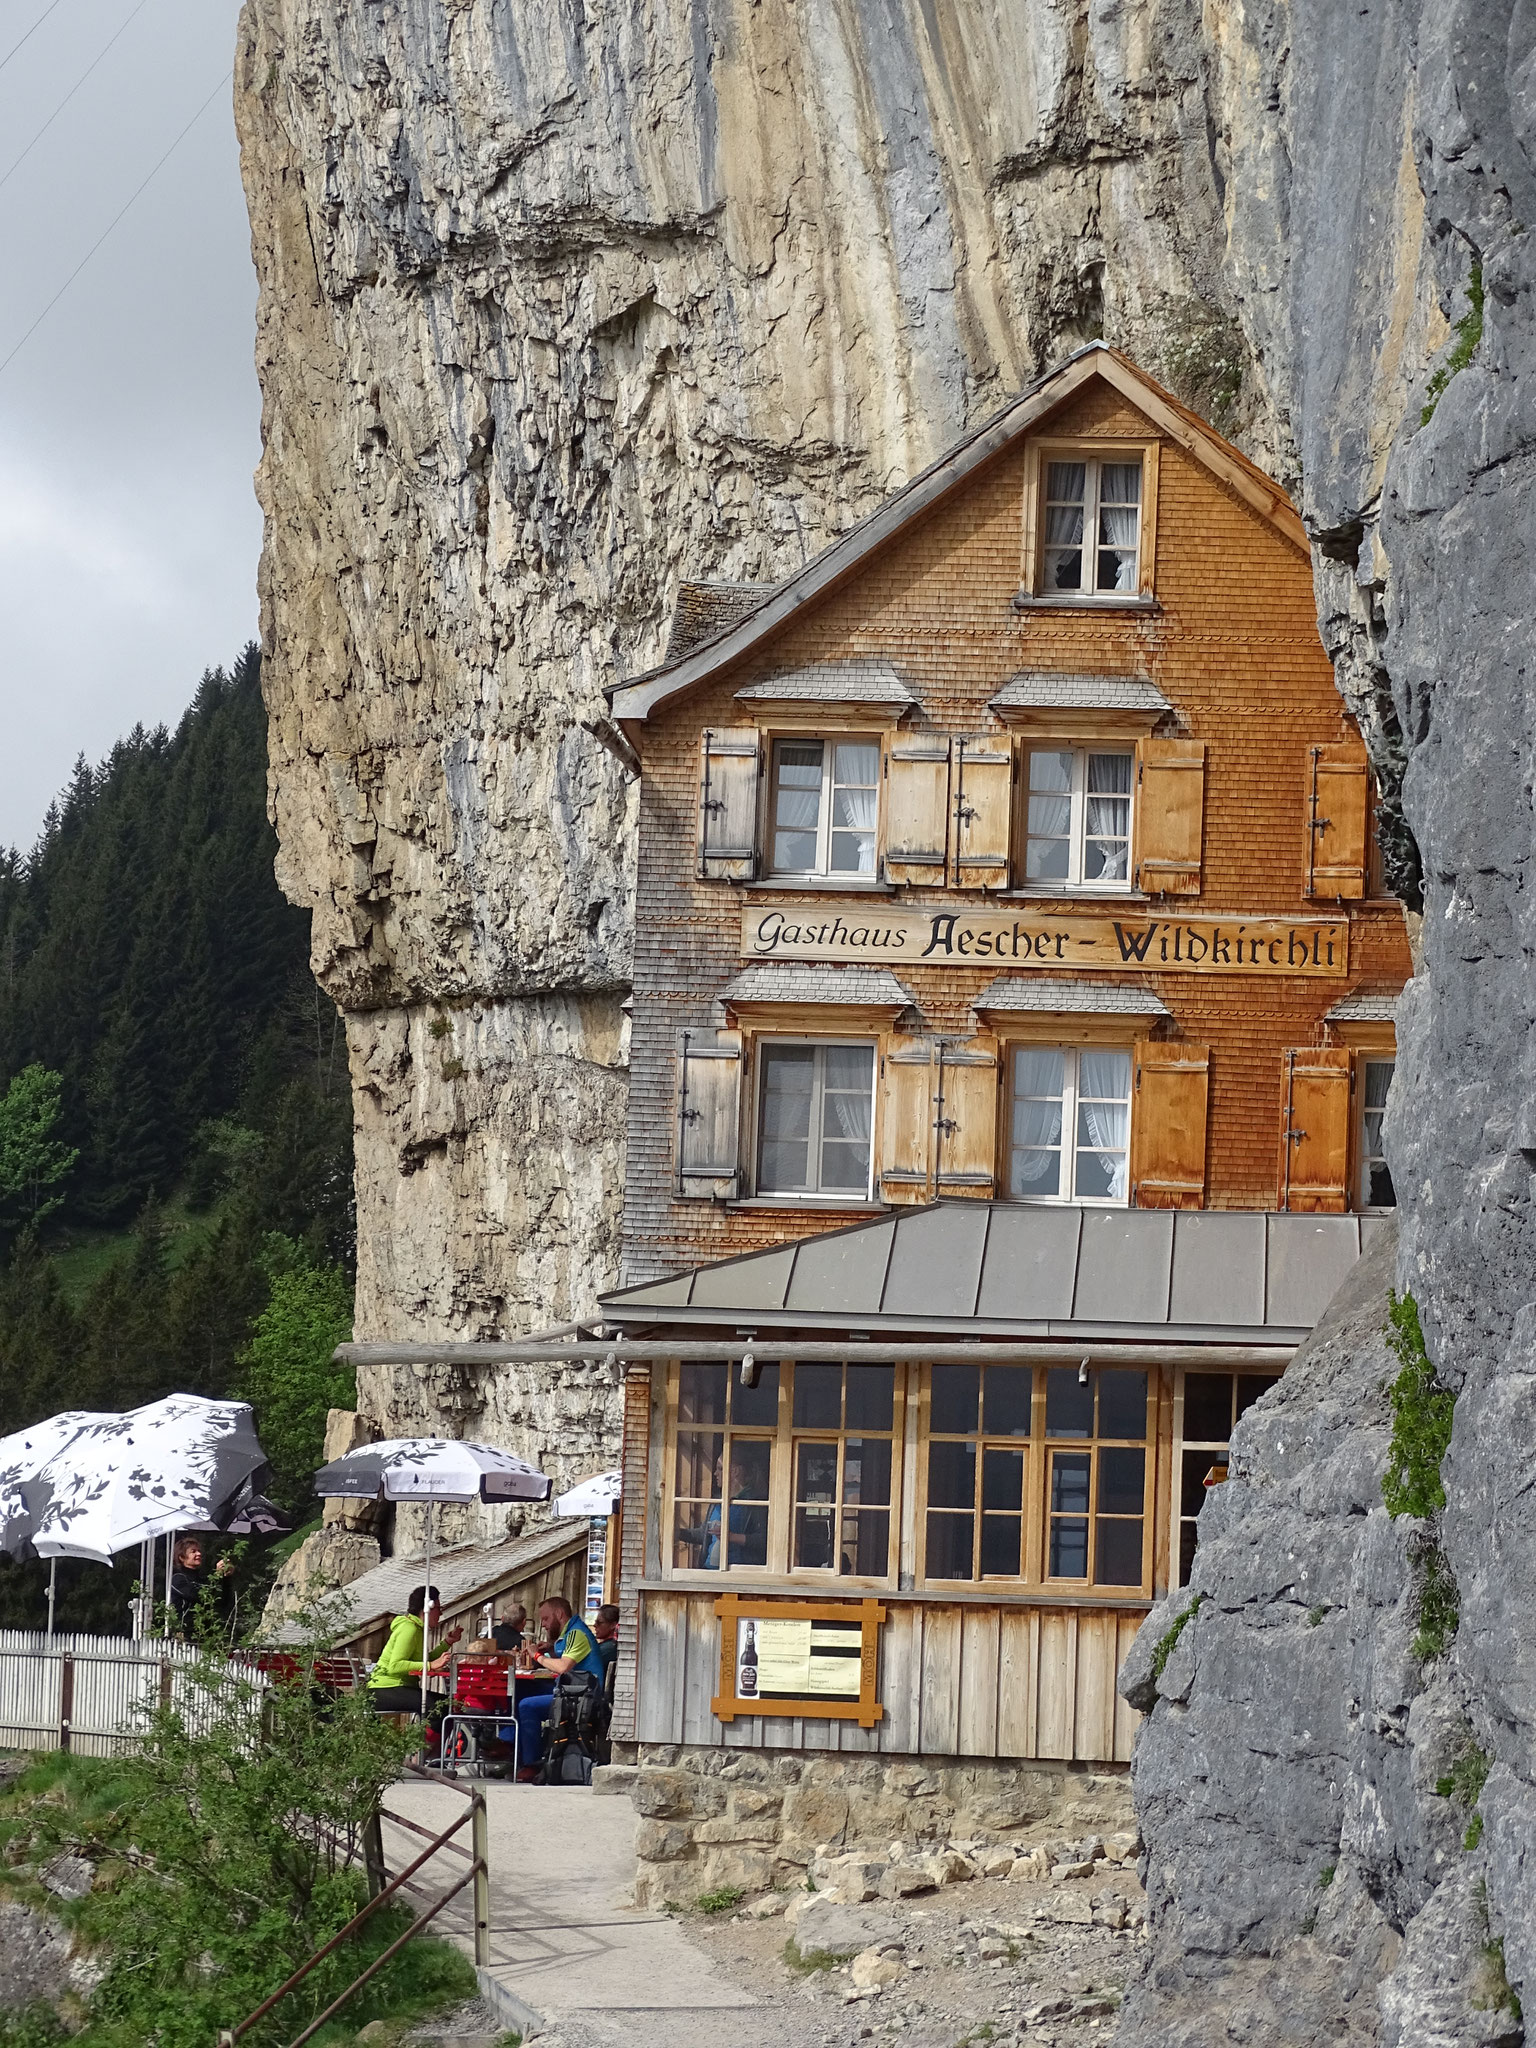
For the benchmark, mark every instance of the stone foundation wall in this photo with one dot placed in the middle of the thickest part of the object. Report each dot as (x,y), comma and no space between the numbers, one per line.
(761,1819)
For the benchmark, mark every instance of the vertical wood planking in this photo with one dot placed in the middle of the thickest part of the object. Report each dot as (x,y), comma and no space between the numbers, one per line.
(979,1659)
(701,1670)
(659,1716)
(1015,1684)
(1093,1728)
(1058,1682)
(938,1720)
(1127,1720)
(900,1680)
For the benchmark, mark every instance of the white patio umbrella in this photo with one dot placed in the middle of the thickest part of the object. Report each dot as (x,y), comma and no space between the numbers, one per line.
(23,1455)
(431,1469)
(593,1498)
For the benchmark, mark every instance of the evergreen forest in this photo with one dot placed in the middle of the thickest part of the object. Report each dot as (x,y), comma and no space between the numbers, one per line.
(175,1117)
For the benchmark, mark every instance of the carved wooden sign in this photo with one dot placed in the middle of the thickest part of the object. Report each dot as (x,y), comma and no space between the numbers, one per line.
(806,1659)
(1043,942)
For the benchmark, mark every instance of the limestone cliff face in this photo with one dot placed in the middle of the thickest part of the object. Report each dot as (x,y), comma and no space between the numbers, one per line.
(561,304)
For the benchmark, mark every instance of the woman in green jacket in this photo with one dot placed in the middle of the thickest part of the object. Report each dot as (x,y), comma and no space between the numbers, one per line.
(394,1685)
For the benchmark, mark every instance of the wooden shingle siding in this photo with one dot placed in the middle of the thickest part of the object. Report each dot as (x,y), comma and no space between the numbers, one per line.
(955,1681)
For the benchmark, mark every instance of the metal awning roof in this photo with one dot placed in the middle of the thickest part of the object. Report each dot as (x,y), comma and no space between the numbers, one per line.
(1006,1270)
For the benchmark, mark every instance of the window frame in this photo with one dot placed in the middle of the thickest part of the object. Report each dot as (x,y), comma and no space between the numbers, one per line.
(816,1197)
(1089,450)
(1071,1066)
(1216,1449)
(1074,883)
(1364,1157)
(785,1439)
(823,871)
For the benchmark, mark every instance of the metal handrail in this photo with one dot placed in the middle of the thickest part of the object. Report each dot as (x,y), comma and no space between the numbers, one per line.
(478,1874)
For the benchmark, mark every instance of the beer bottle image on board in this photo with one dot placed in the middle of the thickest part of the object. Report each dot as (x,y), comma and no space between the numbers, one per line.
(746,1684)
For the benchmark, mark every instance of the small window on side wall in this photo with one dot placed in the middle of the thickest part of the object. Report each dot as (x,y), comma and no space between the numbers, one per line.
(1091,532)
(815,1118)
(1376,1189)
(826,795)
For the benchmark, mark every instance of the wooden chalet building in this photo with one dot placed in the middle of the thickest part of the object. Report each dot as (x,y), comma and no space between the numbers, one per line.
(1012,1028)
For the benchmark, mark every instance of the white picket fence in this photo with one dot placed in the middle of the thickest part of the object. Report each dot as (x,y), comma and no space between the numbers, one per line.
(92,1694)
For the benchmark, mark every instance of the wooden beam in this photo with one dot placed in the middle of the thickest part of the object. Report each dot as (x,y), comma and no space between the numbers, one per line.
(974,1351)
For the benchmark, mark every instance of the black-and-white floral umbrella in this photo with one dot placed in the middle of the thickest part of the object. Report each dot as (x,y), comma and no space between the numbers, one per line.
(23,1456)
(430,1469)
(174,1464)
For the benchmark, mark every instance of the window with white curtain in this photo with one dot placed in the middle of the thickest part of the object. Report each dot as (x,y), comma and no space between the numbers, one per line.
(826,797)
(1376,1189)
(1070,1135)
(815,1116)
(1092,529)
(1079,818)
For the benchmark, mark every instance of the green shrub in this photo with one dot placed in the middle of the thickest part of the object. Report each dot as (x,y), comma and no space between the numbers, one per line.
(1164,1649)
(724,1900)
(1437,1601)
(1469,332)
(1421,1419)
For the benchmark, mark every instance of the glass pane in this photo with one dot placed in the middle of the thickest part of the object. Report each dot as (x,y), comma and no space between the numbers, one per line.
(949,1547)
(696,1536)
(951,1475)
(1250,1386)
(1034,1176)
(1038,1071)
(1069,1549)
(1064,483)
(1068,1406)
(797,805)
(818,1396)
(1002,1554)
(867,1543)
(747,1510)
(758,1405)
(1118,1562)
(1379,1191)
(846,1111)
(1050,814)
(1120,483)
(1378,1079)
(1009,1398)
(1002,1479)
(1123,1404)
(1207,1407)
(1186,1551)
(1107,821)
(701,1392)
(867,1472)
(954,1399)
(1069,1483)
(783,1160)
(749,1468)
(855,797)
(871,1396)
(814,1546)
(1046,860)
(699,1452)
(1192,1480)
(1122,1482)
(815,1472)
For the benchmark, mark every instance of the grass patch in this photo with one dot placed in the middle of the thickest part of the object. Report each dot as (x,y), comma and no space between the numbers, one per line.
(1437,1601)
(1469,332)
(807,1962)
(1421,1419)
(1463,1785)
(1315,1616)
(1164,1649)
(1474,1832)
(725,1900)
(1326,1876)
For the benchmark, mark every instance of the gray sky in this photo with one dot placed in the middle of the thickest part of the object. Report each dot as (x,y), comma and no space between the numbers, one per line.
(128,422)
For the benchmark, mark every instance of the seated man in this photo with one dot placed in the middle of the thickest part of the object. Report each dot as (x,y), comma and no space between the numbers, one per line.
(568,1646)
(605,1630)
(509,1630)
(394,1685)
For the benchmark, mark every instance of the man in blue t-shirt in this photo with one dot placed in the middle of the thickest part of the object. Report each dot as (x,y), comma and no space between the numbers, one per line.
(568,1646)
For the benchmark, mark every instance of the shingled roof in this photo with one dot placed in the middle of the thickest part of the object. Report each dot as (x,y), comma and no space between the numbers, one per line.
(706,610)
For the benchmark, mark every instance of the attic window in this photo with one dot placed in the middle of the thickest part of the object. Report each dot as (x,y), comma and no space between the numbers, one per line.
(1092,528)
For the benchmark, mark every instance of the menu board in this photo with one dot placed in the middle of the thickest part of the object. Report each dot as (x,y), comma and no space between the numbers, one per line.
(802,1658)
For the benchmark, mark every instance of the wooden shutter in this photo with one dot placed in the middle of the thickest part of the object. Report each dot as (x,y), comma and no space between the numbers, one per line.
(708,1115)
(916,809)
(1170,816)
(983,785)
(1314,1140)
(728,776)
(906,1120)
(1338,795)
(1168,1105)
(965,1118)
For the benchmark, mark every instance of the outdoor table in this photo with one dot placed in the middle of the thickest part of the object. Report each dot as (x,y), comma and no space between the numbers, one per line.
(502,1715)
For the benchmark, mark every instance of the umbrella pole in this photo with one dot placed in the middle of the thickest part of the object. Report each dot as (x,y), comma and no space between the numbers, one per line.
(53,1582)
(426,1609)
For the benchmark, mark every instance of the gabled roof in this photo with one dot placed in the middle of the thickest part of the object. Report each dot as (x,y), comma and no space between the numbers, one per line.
(1004,1269)
(635,699)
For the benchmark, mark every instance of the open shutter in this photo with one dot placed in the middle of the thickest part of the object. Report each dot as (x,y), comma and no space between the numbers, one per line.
(906,1120)
(983,805)
(916,809)
(965,1118)
(728,776)
(708,1115)
(1168,1108)
(1170,816)
(1314,1141)
(1337,822)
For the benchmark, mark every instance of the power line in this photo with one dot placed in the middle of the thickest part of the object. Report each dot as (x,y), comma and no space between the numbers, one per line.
(31,32)
(112,223)
(16,162)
